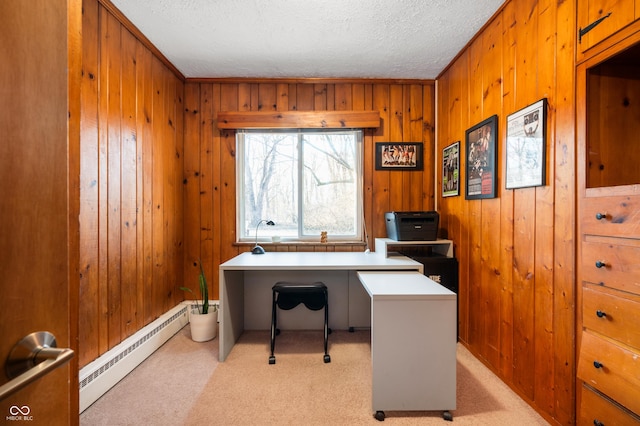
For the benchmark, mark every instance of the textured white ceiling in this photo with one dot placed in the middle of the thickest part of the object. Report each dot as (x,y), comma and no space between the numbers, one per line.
(396,39)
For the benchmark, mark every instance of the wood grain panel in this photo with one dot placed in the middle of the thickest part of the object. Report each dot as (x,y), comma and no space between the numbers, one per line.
(544,291)
(130,185)
(89,309)
(506,202)
(112,68)
(128,218)
(516,253)
(295,120)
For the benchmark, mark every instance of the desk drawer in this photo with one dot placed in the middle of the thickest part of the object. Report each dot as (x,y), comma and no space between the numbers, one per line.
(596,409)
(617,374)
(612,313)
(613,265)
(619,214)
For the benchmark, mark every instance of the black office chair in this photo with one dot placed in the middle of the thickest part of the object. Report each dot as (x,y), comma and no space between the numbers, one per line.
(287,295)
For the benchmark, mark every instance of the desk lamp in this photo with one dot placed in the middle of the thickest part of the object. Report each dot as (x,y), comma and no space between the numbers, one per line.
(258,249)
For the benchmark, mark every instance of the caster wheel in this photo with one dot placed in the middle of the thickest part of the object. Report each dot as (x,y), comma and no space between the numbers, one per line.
(447,416)
(379,416)
(351,329)
(327,359)
(272,359)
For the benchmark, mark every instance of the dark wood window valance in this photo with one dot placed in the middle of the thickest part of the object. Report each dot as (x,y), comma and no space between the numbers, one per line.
(298,119)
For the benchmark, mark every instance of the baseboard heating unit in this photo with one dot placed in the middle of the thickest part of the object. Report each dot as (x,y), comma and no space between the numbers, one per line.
(97,377)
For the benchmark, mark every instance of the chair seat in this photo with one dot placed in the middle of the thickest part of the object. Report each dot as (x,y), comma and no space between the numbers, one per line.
(288,295)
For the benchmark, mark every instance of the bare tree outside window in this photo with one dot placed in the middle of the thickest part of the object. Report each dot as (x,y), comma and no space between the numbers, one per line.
(306,182)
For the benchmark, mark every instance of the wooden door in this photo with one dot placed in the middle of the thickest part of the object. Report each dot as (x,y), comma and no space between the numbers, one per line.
(38,213)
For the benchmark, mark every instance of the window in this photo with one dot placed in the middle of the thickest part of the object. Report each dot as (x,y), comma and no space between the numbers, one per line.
(305,181)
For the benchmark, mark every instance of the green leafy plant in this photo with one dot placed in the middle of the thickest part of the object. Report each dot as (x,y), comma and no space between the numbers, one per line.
(204,292)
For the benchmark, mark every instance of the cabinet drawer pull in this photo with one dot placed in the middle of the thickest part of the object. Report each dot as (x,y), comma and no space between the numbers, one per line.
(597,422)
(601,314)
(597,364)
(600,264)
(600,216)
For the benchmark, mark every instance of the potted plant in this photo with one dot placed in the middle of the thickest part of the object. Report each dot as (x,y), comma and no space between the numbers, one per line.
(203,318)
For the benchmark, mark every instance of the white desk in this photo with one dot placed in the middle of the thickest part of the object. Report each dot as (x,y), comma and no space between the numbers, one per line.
(246,280)
(413,342)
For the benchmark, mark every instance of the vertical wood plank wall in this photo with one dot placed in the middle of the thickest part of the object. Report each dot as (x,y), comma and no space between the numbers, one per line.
(131,193)
(516,251)
(157,186)
(407,112)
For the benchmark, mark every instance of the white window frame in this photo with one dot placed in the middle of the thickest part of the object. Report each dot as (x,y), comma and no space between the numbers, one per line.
(359,219)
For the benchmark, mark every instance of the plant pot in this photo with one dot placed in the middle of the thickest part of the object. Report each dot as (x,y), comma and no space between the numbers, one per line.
(204,327)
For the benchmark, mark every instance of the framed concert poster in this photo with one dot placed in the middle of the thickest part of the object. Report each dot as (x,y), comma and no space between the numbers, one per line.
(451,170)
(482,150)
(526,147)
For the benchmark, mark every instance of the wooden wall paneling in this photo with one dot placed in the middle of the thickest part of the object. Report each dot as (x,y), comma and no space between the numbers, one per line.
(319,102)
(103,139)
(397,184)
(423,124)
(360,104)
(306,96)
(192,135)
(412,198)
(562,126)
(473,224)
(368,165)
(207,170)
(145,178)
(331,97)
(74,81)
(89,308)
(139,184)
(381,179)
(216,183)
(267,97)
(243,93)
(509,48)
(225,141)
(112,67)
(292,97)
(178,205)
(490,208)
(543,381)
(158,236)
(128,217)
(169,168)
(458,112)
(343,97)
(173,178)
(525,220)
(282,97)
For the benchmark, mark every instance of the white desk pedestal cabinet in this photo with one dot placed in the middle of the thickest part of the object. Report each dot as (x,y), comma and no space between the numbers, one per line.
(413,343)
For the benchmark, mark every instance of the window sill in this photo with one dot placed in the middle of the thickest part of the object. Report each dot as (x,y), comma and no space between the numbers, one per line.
(303,245)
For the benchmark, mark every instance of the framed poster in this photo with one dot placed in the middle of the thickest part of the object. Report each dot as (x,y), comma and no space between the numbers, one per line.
(399,156)
(481,147)
(526,147)
(451,170)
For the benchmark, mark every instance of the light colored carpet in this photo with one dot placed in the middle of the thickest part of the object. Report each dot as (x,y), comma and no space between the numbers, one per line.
(180,384)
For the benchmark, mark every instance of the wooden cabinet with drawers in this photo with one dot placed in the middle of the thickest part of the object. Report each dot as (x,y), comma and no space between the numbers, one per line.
(608,250)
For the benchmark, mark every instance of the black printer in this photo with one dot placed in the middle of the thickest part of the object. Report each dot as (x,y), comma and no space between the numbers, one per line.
(412,226)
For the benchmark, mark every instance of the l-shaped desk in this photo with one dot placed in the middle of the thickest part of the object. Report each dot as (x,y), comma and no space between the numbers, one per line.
(412,318)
